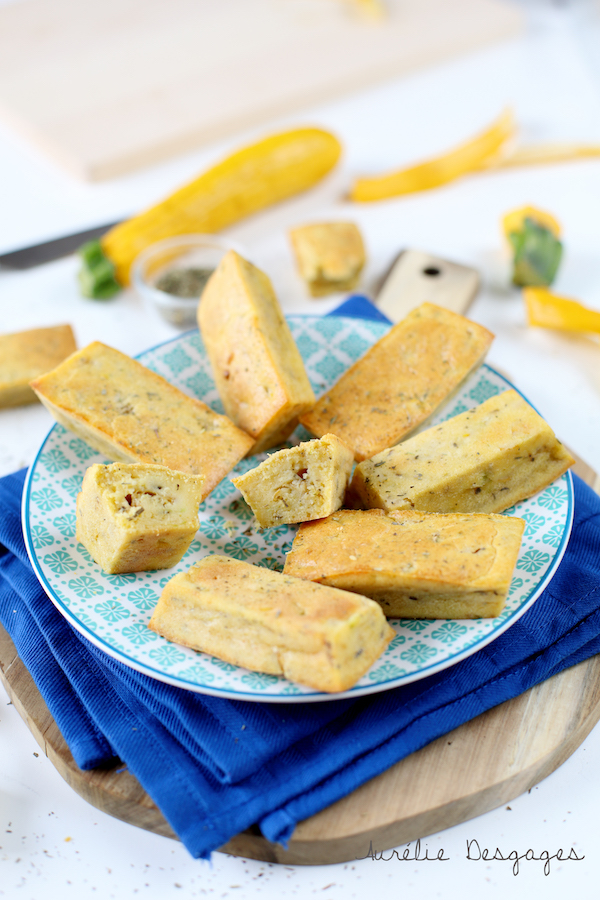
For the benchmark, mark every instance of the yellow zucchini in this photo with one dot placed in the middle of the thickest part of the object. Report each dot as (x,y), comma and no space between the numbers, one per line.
(247,181)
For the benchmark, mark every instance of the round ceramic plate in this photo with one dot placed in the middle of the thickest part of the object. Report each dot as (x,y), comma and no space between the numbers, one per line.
(113,611)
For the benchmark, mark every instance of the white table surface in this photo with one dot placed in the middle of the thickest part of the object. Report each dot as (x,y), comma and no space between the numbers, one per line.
(51,842)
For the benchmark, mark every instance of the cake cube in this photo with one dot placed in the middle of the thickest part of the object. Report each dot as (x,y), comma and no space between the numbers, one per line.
(256,364)
(298,484)
(330,256)
(130,414)
(268,622)
(133,517)
(28,354)
(481,461)
(415,565)
(400,381)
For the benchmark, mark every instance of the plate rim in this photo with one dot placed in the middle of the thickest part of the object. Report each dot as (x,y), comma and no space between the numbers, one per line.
(315,696)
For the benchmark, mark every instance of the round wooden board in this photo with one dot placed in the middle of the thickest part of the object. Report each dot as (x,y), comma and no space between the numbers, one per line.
(477,767)
(473,769)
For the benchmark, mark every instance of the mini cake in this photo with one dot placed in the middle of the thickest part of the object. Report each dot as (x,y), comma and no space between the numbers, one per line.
(300,484)
(330,256)
(257,367)
(268,622)
(131,414)
(400,381)
(27,354)
(481,461)
(135,518)
(415,565)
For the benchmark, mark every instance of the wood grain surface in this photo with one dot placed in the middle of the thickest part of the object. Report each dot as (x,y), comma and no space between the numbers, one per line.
(475,768)
(107,88)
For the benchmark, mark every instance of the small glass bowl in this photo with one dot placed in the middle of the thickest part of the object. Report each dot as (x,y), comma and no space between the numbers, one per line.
(185,251)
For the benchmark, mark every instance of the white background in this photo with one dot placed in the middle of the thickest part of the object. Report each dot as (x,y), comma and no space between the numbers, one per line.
(52,844)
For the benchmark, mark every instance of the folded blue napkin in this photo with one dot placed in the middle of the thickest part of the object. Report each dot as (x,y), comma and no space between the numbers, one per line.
(215,767)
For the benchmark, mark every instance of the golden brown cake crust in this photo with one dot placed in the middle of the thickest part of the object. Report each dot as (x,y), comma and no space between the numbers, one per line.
(330,256)
(28,354)
(400,381)
(130,413)
(481,461)
(417,565)
(268,622)
(256,365)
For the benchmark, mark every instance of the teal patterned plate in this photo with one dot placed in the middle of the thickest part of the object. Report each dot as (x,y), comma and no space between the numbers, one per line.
(112,611)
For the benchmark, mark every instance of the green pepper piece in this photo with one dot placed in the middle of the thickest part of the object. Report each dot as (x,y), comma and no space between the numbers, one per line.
(97,274)
(537,254)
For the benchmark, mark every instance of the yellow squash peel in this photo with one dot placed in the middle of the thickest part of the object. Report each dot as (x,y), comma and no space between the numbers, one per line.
(548,310)
(494,149)
(466,158)
(543,154)
(247,181)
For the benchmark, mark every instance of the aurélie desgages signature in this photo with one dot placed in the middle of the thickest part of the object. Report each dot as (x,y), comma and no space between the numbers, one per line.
(475,852)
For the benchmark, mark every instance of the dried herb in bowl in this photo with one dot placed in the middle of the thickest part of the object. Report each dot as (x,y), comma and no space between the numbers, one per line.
(186,283)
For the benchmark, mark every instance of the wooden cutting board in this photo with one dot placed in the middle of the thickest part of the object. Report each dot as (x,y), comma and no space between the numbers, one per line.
(473,769)
(108,87)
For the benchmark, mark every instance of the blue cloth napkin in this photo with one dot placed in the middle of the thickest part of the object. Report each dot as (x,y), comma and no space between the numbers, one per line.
(214,767)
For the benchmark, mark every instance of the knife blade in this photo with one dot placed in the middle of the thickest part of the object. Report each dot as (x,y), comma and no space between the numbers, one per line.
(27,257)
(417,277)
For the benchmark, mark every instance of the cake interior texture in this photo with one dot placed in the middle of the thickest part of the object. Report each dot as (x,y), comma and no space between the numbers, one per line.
(415,565)
(483,460)
(268,622)
(135,517)
(298,484)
